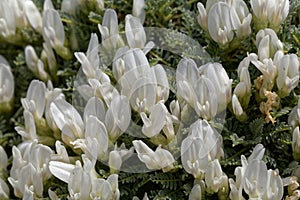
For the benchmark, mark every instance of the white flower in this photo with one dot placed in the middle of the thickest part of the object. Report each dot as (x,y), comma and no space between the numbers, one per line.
(94,107)
(33,15)
(7,19)
(240,18)
(49,60)
(12,16)
(269,13)
(99,4)
(294,116)
(29,131)
(61,170)
(268,70)
(48,5)
(202,17)
(218,76)
(267,44)
(117,117)
(83,181)
(139,82)
(61,153)
(95,142)
(202,145)
(158,159)
(237,108)
(90,61)
(255,179)
(155,123)
(67,119)
(35,64)
(80,182)
(196,193)
(162,84)
(296,143)
(194,156)
(138,9)
(203,12)
(3,159)
(215,178)
(243,88)
(277,11)
(30,167)
(7,85)
(28,193)
(219,23)
(4,190)
(197,90)
(118,156)
(288,74)
(186,78)
(70,6)
(105,189)
(35,100)
(53,31)
(100,88)
(135,34)
(78,177)
(110,31)
(274,185)
(51,95)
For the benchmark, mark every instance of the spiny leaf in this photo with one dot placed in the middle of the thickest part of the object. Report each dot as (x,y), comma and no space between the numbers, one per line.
(256,126)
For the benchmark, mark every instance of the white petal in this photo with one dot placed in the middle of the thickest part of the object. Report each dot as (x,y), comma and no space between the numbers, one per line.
(33,15)
(61,170)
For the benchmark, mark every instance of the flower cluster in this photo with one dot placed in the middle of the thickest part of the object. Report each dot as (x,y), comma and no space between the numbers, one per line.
(114,118)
